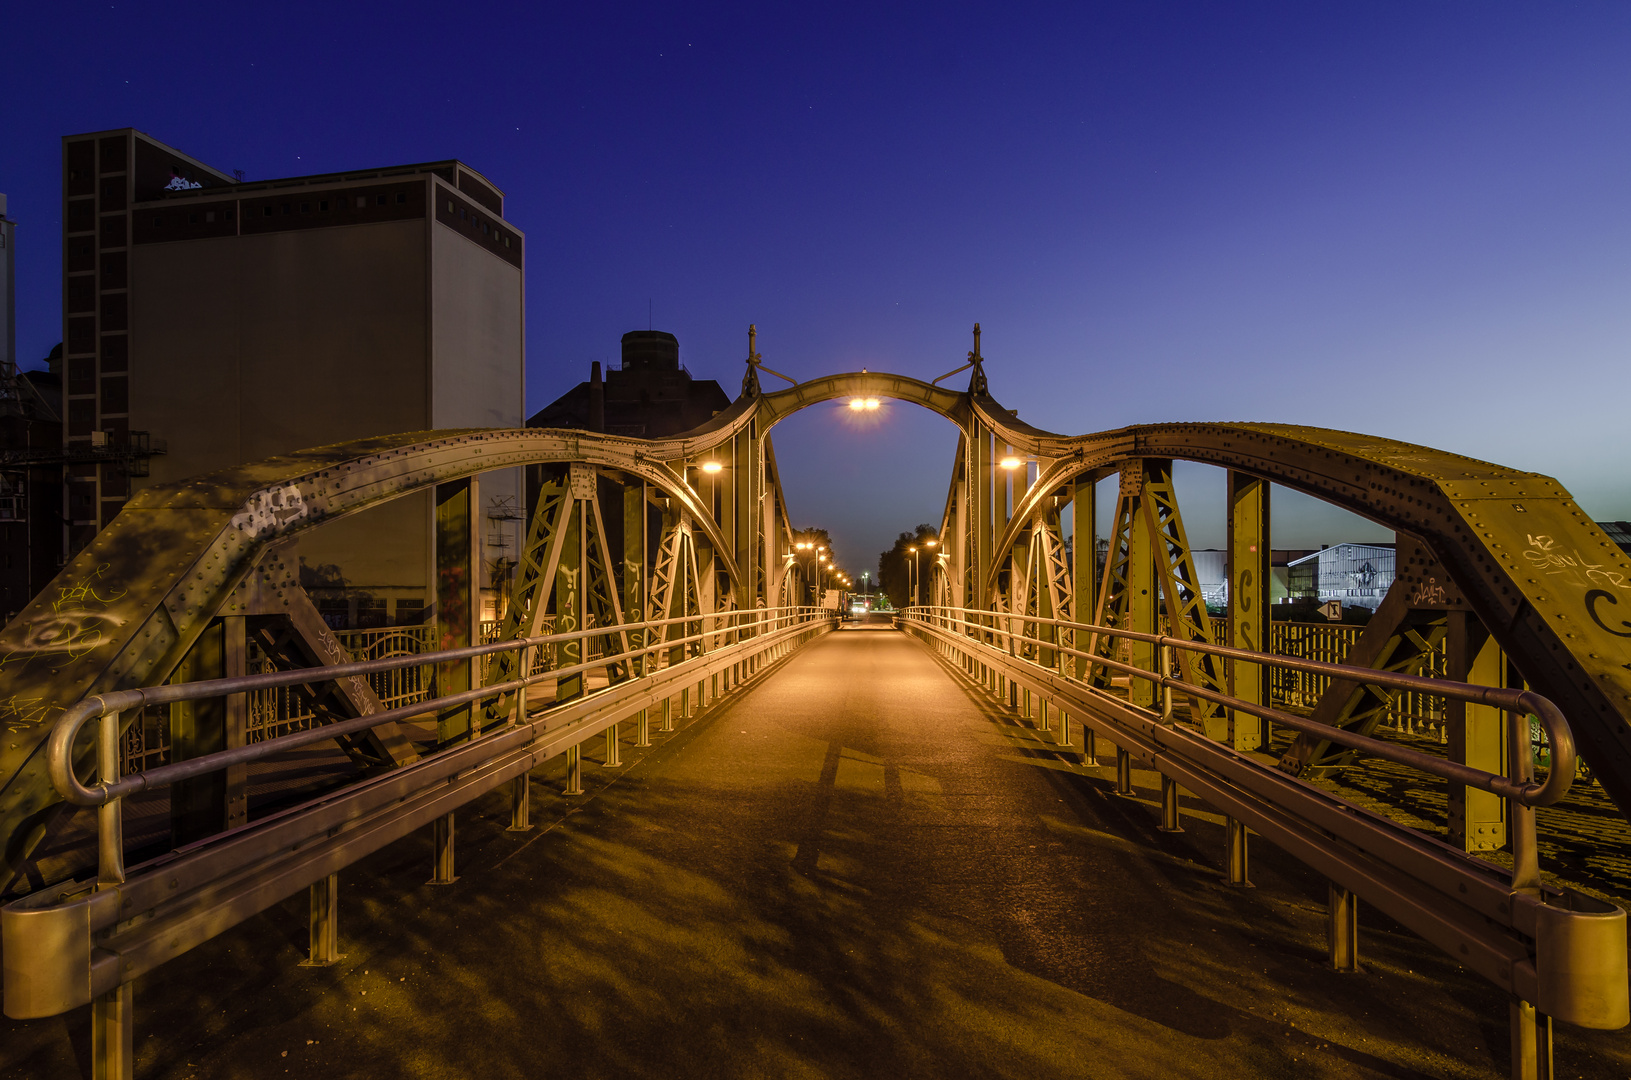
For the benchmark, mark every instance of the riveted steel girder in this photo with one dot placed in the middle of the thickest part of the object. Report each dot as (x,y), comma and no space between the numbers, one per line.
(1547,582)
(126,609)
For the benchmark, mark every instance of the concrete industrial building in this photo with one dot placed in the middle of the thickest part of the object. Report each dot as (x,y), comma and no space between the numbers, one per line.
(233,321)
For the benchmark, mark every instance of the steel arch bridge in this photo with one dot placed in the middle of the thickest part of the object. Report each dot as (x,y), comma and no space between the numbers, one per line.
(1490,558)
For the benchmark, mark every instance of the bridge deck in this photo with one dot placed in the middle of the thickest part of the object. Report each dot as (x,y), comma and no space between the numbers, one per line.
(854,867)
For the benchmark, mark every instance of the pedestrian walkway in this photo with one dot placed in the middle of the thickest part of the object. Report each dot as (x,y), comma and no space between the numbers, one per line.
(856,866)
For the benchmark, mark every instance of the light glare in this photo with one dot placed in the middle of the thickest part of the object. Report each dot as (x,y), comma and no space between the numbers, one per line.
(711,466)
(1010,463)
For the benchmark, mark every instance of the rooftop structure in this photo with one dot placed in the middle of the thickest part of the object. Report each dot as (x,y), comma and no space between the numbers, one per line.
(649,396)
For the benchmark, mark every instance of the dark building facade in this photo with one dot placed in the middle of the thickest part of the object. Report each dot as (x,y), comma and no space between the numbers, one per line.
(31,469)
(649,395)
(230,321)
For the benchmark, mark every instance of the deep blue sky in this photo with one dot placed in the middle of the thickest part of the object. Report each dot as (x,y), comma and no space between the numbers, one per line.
(1406,219)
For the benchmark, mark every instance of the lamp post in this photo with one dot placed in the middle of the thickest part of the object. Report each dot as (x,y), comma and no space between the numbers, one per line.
(911,578)
(914,579)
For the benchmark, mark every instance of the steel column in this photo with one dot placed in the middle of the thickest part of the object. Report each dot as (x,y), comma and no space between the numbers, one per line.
(1477,735)
(458,599)
(1250,573)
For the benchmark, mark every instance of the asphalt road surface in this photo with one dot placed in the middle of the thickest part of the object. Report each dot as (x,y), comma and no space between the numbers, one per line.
(855,866)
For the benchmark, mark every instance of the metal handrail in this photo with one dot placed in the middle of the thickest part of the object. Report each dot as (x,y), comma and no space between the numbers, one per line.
(109,787)
(1560,774)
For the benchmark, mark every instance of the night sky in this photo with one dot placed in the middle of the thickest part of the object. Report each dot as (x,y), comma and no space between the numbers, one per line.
(1409,219)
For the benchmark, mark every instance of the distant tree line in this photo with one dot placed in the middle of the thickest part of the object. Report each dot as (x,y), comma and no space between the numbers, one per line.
(895,566)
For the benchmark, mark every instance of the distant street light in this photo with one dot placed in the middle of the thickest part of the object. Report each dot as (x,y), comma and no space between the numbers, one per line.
(711,466)
(1010,463)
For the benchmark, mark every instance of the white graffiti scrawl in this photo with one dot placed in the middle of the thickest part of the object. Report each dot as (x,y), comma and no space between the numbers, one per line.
(271,511)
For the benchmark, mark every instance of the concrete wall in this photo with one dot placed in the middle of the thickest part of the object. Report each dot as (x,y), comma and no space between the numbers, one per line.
(477,375)
(250,346)
(245,347)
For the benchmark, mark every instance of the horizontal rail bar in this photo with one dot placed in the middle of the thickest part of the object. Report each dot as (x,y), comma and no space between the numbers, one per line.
(1559,777)
(68,943)
(66,731)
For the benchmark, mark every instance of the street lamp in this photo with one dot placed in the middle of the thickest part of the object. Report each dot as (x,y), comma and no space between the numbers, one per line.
(911,578)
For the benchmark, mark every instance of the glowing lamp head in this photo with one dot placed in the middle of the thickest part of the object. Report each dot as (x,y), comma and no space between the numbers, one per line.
(871,403)
(1010,463)
(711,466)
(857,404)
(931,543)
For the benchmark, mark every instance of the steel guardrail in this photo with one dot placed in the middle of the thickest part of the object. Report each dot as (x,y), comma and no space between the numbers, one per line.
(1561,950)
(69,943)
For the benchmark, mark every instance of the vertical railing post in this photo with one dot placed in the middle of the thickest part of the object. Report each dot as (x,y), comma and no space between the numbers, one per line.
(442,840)
(113,1021)
(521,804)
(110,817)
(1164,659)
(1342,928)
(1238,855)
(1521,770)
(1531,1042)
(324,942)
(574,770)
(113,1034)
(1169,806)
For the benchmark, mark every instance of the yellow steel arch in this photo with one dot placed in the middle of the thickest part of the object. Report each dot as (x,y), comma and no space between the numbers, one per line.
(1552,588)
(126,609)
(1554,591)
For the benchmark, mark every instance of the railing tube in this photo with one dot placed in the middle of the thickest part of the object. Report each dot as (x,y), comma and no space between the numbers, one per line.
(110,818)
